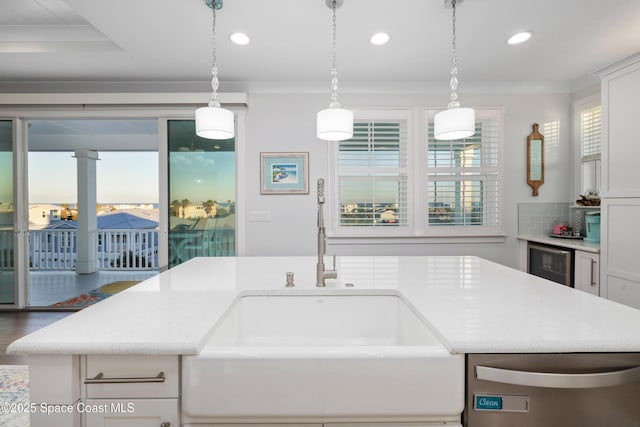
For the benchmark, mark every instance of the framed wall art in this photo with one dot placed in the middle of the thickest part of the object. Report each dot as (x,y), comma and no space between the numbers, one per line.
(284,173)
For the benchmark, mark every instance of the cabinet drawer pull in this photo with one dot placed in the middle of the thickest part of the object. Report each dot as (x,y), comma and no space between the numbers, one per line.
(100,379)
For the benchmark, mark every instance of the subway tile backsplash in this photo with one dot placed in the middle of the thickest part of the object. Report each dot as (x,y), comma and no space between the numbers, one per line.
(539,218)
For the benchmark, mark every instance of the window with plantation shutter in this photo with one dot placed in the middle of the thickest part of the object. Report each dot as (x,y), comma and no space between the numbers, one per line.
(590,147)
(393,179)
(590,127)
(372,173)
(464,177)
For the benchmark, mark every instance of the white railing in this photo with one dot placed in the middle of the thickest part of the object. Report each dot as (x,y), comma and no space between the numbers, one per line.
(127,250)
(187,244)
(52,249)
(115,249)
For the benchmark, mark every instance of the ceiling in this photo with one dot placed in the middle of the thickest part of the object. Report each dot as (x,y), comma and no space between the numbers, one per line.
(75,43)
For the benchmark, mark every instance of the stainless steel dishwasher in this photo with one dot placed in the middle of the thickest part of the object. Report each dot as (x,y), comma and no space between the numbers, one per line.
(553,390)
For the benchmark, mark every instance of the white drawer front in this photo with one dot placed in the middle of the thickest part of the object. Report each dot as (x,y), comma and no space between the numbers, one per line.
(132,376)
(128,413)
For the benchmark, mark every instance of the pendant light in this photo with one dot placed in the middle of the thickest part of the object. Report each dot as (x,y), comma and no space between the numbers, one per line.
(455,122)
(212,121)
(334,123)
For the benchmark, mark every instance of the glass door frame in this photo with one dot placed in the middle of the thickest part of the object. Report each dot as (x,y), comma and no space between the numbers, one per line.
(240,173)
(241,167)
(21,202)
(20,212)
(22,114)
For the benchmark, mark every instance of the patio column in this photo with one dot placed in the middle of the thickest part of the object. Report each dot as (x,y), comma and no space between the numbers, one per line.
(86,243)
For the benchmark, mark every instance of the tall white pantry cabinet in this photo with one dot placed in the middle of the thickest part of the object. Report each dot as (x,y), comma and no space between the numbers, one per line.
(620,189)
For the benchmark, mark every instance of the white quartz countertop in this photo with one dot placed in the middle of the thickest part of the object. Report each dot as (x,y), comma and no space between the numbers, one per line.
(472,305)
(578,244)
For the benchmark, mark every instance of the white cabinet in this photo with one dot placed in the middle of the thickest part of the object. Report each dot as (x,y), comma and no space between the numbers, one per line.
(131,412)
(115,376)
(587,272)
(620,224)
(620,250)
(131,390)
(53,383)
(620,129)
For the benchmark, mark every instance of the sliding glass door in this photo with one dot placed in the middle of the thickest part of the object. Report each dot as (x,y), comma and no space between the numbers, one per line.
(120,227)
(194,199)
(7,215)
(202,194)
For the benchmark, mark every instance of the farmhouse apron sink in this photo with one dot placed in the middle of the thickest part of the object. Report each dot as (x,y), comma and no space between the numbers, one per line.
(314,356)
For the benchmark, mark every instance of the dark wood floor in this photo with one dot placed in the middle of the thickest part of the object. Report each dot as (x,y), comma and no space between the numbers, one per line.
(16,324)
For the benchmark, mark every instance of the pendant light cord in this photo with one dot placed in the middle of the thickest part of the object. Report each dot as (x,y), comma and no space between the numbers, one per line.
(453,83)
(215,83)
(334,67)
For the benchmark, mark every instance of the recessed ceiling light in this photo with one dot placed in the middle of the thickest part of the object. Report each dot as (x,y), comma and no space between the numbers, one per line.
(241,39)
(519,37)
(379,39)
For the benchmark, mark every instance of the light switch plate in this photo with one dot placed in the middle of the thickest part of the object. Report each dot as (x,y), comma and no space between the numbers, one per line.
(259,216)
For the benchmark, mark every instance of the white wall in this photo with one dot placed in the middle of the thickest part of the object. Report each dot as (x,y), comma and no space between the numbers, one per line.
(286,122)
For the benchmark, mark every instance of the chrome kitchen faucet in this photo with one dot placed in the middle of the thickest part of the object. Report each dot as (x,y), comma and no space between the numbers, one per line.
(321,273)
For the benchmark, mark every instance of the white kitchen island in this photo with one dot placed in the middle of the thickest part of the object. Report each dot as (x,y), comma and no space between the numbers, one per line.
(471,305)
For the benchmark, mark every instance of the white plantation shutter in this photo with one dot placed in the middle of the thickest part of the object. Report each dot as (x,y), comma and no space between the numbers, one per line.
(464,176)
(590,148)
(372,174)
(391,181)
(590,133)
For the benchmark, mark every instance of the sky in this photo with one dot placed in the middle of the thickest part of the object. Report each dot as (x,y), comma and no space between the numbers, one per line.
(6,177)
(6,161)
(200,176)
(125,177)
(122,177)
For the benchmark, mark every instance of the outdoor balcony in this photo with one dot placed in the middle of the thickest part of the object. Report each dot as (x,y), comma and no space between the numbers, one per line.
(121,255)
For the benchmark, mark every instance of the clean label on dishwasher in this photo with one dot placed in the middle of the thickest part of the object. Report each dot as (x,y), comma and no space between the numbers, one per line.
(494,402)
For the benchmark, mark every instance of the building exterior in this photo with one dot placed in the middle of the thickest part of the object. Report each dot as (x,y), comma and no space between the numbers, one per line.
(124,241)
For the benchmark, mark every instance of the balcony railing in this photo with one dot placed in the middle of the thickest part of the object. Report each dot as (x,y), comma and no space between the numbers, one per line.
(127,250)
(52,249)
(187,244)
(115,250)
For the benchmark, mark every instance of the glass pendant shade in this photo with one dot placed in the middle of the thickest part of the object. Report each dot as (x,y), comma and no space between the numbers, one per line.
(335,124)
(454,123)
(214,123)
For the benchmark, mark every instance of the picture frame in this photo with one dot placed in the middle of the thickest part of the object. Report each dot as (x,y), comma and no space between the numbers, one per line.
(284,173)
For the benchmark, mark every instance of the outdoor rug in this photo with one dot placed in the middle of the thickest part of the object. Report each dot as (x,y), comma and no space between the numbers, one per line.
(14,395)
(96,295)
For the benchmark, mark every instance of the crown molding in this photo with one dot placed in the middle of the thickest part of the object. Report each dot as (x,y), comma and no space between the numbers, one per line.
(349,87)
(127,98)
(615,66)
(236,92)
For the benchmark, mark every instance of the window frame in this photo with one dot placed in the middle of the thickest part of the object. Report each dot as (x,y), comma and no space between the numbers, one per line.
(469,230)
(417,227)
(335,226)
(579,107)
